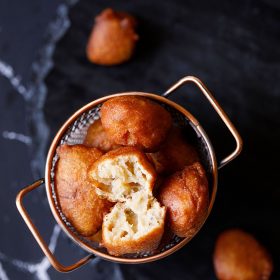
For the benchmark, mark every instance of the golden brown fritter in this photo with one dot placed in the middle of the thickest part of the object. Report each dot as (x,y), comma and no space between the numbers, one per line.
(134,226)
(136,222)
(97,237)
(97,138)
(135,121)
(113,38)
(238,255)
(77,197)
(174,154)
(185,194)
(121,172)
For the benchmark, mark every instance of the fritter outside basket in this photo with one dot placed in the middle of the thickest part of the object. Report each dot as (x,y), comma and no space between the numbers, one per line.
(73,132)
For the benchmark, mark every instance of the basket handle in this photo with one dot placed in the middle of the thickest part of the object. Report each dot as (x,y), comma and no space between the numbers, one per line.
(218,109)
(57,265)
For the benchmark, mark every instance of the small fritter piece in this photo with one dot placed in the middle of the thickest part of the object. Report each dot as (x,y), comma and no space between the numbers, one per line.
(97,237)
(121,172)
(135,226)
(135,121)
(238,255)
(185,194)
(97,138)
(174,154)
(79,202)
(113,38)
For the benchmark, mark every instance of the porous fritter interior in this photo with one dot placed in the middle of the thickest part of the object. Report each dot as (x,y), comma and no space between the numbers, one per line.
(133,219)
(119,177)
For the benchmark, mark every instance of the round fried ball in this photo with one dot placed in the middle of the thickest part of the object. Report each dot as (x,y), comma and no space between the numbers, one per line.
(238,255)
(174,154)
(135,121)
(113,38)
(79,202)
(185,194)
(97,138)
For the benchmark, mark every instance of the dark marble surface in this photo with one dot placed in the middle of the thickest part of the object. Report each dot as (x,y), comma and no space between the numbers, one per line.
(232,47)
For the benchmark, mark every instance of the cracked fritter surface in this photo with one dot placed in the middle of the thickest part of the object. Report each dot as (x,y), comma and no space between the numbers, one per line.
(135,226)
(121,172)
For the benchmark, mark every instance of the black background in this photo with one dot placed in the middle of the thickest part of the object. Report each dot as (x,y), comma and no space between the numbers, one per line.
(234,47)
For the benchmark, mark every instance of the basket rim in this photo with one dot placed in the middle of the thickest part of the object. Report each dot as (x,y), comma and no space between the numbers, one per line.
(52,151)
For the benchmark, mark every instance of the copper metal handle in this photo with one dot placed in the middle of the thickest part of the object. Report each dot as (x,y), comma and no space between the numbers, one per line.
(58,266)
(218,109)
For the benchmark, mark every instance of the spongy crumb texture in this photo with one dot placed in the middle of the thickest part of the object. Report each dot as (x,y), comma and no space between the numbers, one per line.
(136,225)
(122,172)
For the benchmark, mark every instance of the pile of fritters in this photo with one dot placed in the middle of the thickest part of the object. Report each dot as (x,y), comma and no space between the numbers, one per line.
(108,183)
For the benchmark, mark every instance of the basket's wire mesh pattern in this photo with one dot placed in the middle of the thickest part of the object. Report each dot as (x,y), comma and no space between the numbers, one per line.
(76,134)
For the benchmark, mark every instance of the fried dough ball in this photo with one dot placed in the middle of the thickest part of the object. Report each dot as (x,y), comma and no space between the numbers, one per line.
(135,121)
(96,137)
(174,154)
(135,226)
(238,255)
(136,222)
(79,202)
(185,194)
(121,172)
(113,38)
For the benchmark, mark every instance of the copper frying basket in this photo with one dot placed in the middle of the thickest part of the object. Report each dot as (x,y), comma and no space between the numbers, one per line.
(74,131)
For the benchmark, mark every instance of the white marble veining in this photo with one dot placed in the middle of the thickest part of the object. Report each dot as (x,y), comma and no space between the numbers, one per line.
(7,71)
(117,272)
(39,140)
(41,68)
(3,274)
(39,271)
(11,135)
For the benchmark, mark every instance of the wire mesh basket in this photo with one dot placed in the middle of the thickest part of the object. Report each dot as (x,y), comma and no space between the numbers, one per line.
(74,131)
